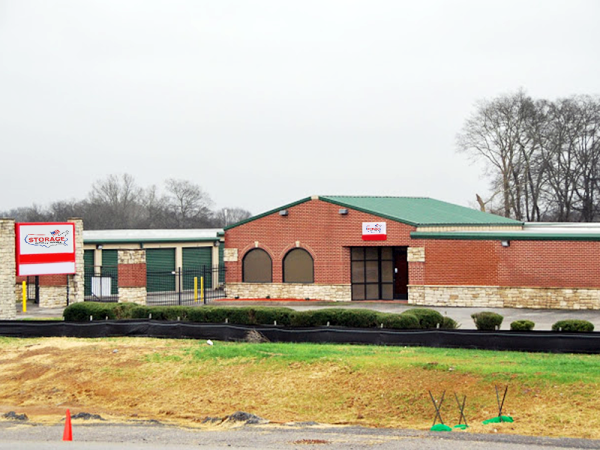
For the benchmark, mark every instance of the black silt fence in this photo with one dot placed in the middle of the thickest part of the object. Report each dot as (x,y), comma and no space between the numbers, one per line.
(533,341)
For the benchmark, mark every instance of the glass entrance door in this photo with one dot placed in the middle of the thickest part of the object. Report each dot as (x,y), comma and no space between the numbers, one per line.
(372,273)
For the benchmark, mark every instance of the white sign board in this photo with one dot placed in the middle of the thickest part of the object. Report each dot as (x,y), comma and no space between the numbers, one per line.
(45,248)
(374,231)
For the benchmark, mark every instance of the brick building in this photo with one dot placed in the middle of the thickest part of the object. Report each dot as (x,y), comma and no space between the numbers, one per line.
(417,249)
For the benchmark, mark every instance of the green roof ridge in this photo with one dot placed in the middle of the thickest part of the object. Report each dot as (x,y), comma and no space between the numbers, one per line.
(419,211)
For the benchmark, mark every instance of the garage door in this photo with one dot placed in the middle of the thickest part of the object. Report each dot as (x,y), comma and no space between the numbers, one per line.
(160,263)
(197,262)
(88,271)
(110,268)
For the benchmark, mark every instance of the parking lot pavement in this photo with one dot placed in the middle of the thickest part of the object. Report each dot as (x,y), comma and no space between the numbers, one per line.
(543,318)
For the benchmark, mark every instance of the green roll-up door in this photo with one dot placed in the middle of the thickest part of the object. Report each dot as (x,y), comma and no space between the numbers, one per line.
(110,268)
(160,262)
(88,271)
(197,262)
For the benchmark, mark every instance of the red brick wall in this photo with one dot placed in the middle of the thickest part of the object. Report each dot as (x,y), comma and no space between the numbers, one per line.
(132,275)
(523,264)
(550,264)
(47,280)
(461,262)
(321,230)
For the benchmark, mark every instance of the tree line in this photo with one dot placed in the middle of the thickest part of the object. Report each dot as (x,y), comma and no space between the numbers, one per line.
(542,156)
(118,202)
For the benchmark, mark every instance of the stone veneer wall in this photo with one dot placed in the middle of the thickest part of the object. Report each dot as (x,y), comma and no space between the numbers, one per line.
(55,296)
(132,276)
(505,297)
(8,308)
(76,287)
(329,292)
(133,295)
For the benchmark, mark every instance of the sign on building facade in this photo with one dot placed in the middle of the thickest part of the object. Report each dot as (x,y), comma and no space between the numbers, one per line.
(374,231)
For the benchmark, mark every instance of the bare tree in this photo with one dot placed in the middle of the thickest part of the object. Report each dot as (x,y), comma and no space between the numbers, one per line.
(543,156)
(499,132)
(115,202)
(188,204)
(228,216)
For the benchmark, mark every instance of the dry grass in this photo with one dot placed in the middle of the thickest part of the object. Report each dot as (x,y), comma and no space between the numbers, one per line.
(124,379)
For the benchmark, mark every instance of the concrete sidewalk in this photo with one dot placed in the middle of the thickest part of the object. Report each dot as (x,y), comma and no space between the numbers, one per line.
(543,318)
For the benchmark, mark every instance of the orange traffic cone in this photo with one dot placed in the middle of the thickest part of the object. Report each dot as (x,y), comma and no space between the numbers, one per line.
(68,433)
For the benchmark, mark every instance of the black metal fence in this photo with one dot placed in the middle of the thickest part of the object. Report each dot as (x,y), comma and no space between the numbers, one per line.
(185,286)
(33,289)
(177,287)
(101,283)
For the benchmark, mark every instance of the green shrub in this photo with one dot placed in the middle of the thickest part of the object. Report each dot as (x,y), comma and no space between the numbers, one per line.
(268,316)
(399,321)
(316,318)
(140,312)
(354,318)
(428,318)
(487,320)
(449,324)
(522,325)
(573,326)
(81,312)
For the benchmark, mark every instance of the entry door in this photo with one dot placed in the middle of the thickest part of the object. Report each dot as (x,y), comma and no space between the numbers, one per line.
(372,273)
(400,274)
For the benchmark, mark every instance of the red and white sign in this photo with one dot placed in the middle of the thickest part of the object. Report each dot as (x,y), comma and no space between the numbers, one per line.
(374,231)
(45,248)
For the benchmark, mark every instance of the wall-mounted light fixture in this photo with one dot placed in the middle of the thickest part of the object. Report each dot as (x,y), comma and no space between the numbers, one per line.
(343,211)
(283,212)
(505,243)
(99,246)
(217,243)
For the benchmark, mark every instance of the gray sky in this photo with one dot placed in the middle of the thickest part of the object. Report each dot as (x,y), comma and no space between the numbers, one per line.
(266,102)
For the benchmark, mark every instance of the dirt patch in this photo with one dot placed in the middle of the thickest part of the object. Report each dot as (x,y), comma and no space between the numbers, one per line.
(124,380)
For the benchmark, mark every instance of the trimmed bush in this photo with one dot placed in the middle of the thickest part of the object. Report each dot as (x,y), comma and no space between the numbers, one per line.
(399,321)
(352,318)
(268,316)
(449,324)
(573,326)
(522,325)
(487,320)
(81,312)
(428,318)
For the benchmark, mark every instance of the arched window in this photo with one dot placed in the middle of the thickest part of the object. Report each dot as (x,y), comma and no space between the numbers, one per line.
(257,267)
(298,267)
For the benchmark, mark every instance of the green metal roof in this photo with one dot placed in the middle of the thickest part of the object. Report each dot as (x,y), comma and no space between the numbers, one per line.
(415,211)
(420,211)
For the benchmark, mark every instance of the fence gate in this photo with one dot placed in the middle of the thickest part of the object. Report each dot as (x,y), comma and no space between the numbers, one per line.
(101,283)
(33,289)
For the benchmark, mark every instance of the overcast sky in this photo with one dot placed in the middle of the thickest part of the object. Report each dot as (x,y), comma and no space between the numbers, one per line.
(266,102)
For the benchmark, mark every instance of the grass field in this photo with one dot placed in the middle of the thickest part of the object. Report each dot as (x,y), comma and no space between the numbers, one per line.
(183,381)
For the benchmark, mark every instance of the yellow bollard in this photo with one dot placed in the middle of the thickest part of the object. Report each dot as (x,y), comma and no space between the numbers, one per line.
(24,296)
(195,289)
(202,288)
